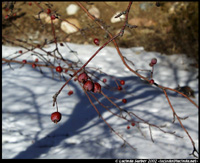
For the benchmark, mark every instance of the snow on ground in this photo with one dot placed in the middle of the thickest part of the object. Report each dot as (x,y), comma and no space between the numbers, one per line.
(28,132)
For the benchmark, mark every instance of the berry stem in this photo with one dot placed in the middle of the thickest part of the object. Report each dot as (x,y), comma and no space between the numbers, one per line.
(152,72)
(56,106)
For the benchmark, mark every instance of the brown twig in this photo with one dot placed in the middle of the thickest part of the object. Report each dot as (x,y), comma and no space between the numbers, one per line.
(178,119)
(125,142)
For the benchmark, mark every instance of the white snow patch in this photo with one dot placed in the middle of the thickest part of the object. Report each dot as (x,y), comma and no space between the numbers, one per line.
(27,130)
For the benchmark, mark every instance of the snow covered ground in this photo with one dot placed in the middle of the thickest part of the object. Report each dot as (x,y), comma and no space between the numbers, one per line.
(28,132)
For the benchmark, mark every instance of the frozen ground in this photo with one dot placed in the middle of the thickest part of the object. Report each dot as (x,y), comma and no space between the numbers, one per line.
(27,131)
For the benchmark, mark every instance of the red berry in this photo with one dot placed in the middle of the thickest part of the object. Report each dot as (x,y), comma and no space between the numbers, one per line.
(30,3)
(33,65)
(96,41)
(124,100)
(132,124)
(36,60)
(6,9)
(153,61)
(151,81)
(122,82)
(59,69)
(104,80)
(20,51)
(119,88)
(48,11)
(83,77)
(88,86)
(70,92)
(56,117)
(53,17)
(151,65)
(128,127)
(24,61)
(97,88)
(6,17)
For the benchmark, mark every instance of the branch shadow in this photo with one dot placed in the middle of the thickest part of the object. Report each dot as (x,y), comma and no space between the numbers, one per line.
(82,114)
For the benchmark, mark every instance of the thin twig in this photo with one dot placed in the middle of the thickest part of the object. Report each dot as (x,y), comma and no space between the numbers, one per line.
(178,118)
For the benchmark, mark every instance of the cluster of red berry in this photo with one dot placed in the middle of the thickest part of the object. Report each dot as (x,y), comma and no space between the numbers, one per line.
(152,63)
(122,82)
(88,85)
(12,13)
(25,61)
(56,116)
(132,124)
(59,69)
(34,65)
(53,17)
